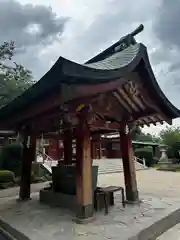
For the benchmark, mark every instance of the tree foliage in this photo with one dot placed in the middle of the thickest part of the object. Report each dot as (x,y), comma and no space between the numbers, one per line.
(171,137)
(14,78)
(147,137)
(11,157)
(138,135)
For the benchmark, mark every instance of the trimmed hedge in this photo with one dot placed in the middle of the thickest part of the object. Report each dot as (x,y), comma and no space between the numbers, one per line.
(6,176)
(10,158)
(147,154)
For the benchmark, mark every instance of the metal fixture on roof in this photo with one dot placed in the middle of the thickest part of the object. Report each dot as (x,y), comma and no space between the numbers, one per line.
(129,39)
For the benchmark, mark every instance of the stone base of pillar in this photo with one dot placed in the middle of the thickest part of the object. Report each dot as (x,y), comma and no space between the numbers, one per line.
(84,221)
(84,214)
(137,202)
(132,196)
(24,194)
(23,199)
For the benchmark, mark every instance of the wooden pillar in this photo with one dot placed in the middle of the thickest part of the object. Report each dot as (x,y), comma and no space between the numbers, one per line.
(109,148)
(154,150)
(96,138)
(59,147)
(100,145)
(67,142)
(94,146)
(93,153)
(84,192)
(128,164)
(29,155)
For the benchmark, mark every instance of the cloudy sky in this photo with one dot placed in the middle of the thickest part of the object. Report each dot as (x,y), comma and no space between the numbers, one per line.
(78,29)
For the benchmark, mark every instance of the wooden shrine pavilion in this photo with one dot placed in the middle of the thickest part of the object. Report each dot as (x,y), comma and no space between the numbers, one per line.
(114,90)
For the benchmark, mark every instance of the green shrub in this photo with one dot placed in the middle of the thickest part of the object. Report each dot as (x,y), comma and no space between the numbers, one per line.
(10,158)
(175,150)
(6,176)
(145,153)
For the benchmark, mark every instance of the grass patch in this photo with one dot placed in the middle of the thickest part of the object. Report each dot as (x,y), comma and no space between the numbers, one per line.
(155,166)
(170,168)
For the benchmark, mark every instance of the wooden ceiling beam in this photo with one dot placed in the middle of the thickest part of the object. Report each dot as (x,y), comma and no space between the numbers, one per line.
(126,106)
(127,98)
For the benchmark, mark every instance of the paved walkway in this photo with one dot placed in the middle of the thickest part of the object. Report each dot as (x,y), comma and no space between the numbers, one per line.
(156,183)
(160,190)
(12,192)
(171,234)
(41,222)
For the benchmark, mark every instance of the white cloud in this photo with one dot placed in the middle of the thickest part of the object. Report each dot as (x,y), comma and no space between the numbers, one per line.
(95,24)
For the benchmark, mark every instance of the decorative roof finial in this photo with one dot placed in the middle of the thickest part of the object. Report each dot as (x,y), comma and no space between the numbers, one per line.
(137,30)
(128,39)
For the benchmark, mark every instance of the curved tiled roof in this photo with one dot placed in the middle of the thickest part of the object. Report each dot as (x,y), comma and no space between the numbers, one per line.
(67,72)
(117,60)
(110,68)
(115,66)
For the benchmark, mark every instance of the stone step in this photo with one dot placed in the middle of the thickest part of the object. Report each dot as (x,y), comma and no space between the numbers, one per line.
(105,165)
(113,165)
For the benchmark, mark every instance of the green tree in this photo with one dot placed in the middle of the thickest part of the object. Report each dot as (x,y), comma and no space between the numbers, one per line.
(145,137)
(14,78)
(138,135)
(171,137)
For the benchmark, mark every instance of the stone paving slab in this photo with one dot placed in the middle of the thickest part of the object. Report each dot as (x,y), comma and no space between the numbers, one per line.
(39,221)
(172,234)
(14,191)
(157,183)
(159,190)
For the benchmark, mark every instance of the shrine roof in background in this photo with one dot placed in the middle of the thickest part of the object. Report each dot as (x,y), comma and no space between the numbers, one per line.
(124,69)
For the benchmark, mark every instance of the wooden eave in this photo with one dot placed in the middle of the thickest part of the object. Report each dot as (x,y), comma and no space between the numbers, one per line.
(140,100)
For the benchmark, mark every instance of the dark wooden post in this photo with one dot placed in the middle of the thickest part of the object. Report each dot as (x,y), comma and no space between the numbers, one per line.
(84,192)
(154,150)
(109,148)
(57,148)
(128,164)
(67,142)
(29,154)
(96,138)
(99,146)
(92,148)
